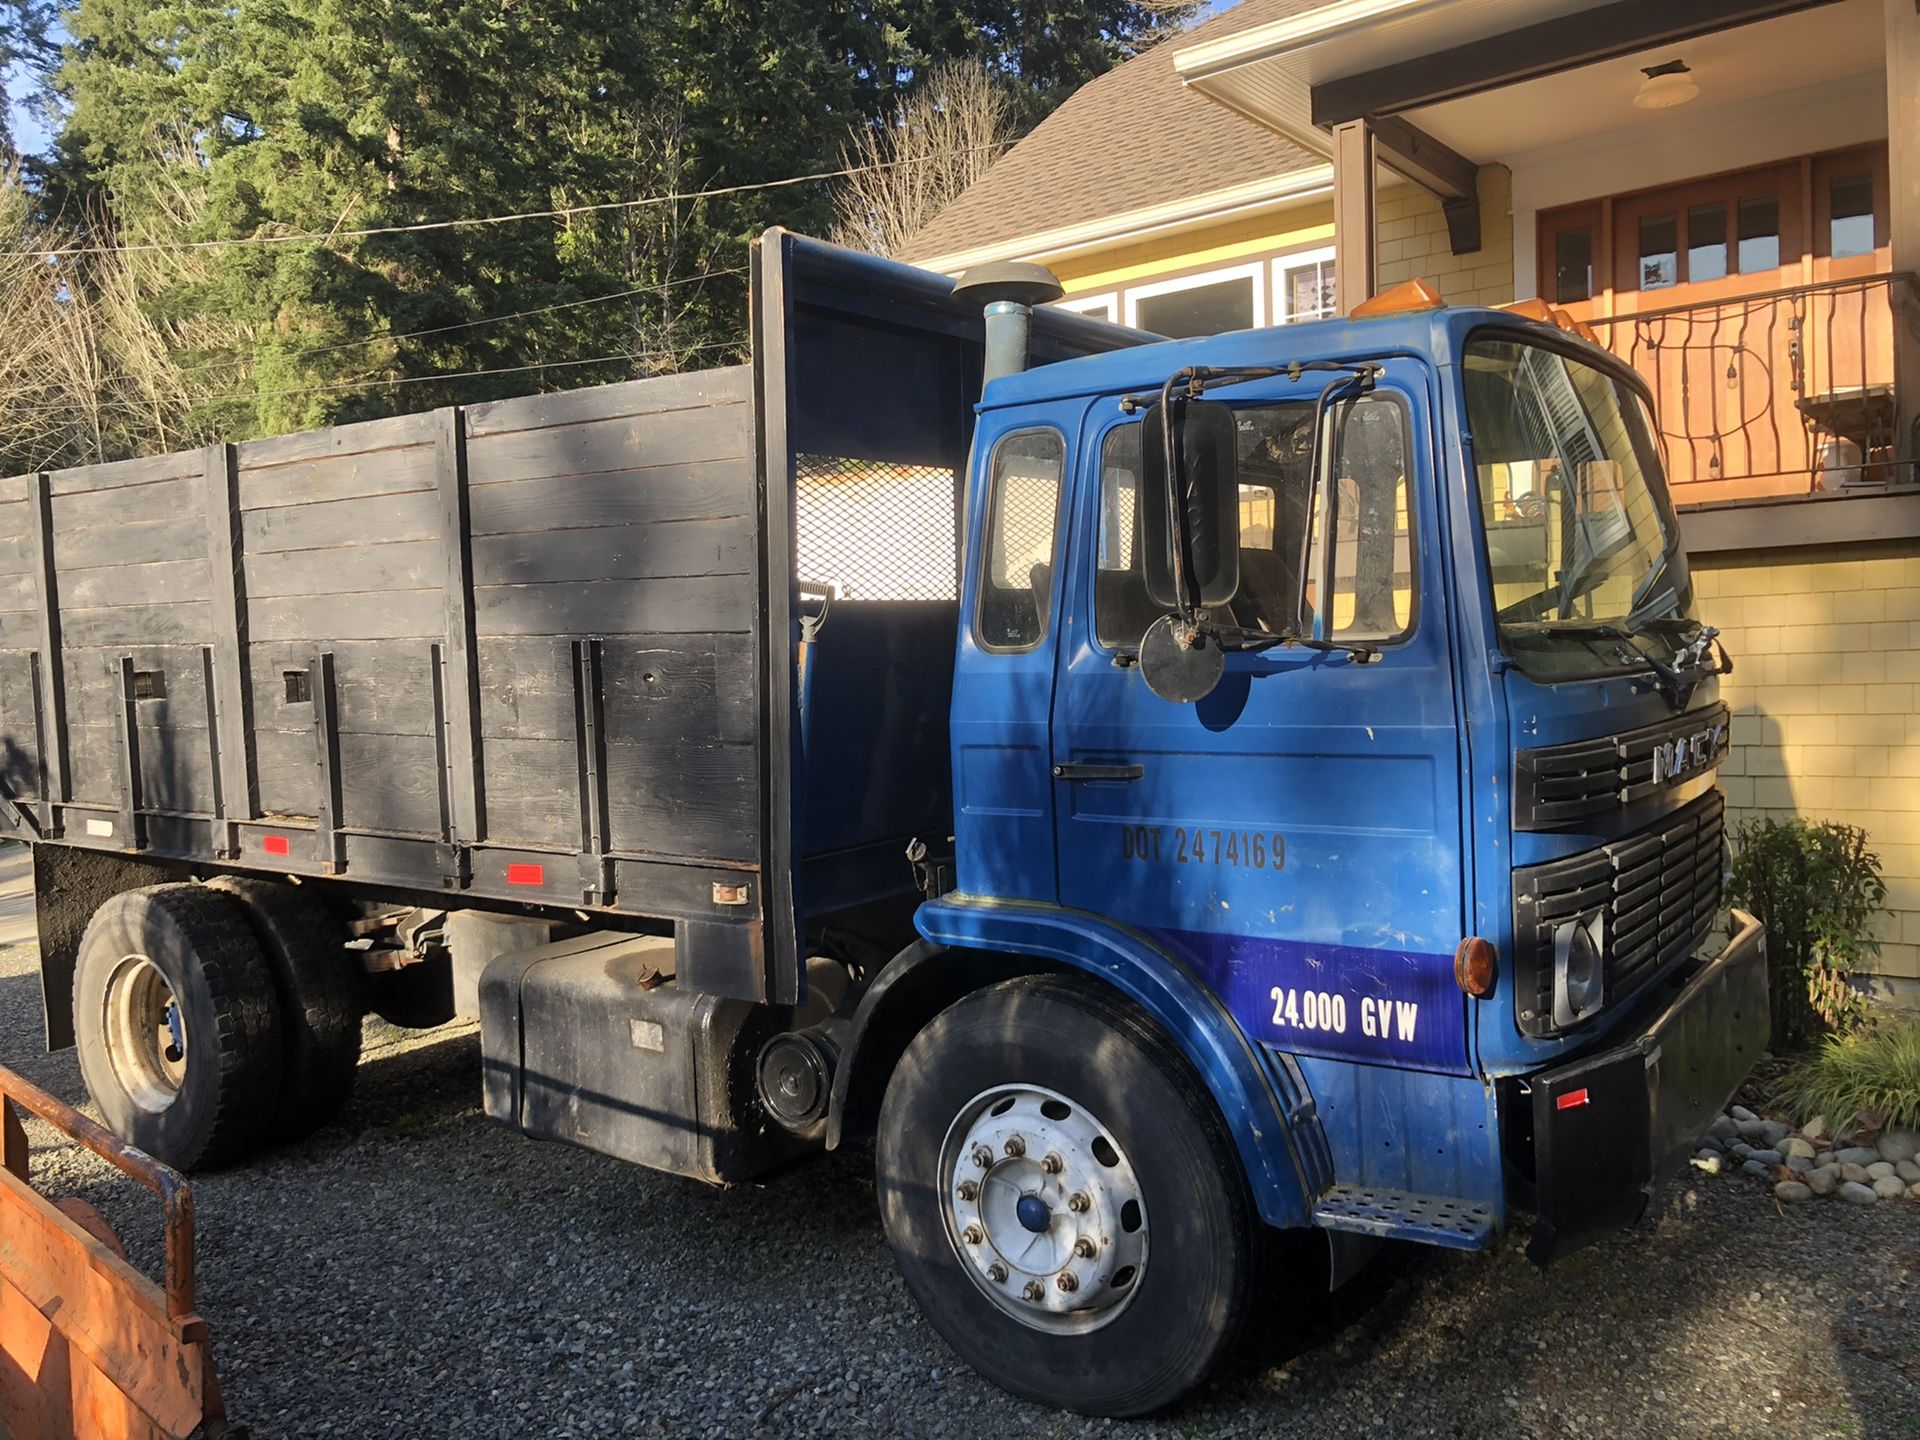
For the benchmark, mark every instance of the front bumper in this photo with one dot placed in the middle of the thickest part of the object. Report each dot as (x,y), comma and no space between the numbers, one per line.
(1610,1127)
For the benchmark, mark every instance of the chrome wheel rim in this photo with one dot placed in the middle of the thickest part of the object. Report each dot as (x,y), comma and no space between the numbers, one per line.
(1043,1209)
(146,1034)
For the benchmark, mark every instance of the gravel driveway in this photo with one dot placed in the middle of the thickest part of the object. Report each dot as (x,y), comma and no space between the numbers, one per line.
(416,1271)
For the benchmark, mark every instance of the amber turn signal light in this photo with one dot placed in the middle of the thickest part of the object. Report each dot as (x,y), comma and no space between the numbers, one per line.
(1474,966)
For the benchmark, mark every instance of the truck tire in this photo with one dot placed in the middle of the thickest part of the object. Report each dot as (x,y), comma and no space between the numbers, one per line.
(318,985)
(1034,1138)
(177,1024)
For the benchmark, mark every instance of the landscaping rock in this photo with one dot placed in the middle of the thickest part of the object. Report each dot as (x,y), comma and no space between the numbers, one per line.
(1765,1133)
(1890,1187)
(1908,1170)
(1713,1143)
(1740,1112)
(1825,1180)
(1857,1155)
(1791,1192)
(1724,1130)
(1740,1150)
(1797,1146)
(1799,1164)
(1767,1157)
(1754,1167)
(1816,1128)
(1879,1170)
(1856,1194)
(1914,1190)
(1708,1163)
(1855,1173)
(1898,1145)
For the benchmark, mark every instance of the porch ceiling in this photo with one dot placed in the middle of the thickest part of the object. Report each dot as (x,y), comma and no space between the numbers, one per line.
(1301,75)
(1770,58)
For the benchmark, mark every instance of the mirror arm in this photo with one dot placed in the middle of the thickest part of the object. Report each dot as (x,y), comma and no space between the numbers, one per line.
(1176,511)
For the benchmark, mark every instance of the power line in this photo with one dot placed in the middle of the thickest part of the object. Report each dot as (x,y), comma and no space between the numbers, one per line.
(488,320)
(564,213)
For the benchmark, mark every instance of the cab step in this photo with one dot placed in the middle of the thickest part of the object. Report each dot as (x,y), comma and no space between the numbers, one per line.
(1402,1215)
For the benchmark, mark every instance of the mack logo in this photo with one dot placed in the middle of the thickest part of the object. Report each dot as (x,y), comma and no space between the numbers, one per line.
(1675,759)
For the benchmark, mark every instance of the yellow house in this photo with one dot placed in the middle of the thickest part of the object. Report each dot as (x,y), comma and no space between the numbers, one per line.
(1728,191)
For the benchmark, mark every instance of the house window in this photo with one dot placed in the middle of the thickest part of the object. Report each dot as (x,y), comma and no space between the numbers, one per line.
(1101,307)
(1204,304)
(1303,285)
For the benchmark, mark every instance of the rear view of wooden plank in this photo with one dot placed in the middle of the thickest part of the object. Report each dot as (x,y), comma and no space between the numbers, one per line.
(53,684)
(231,708)
(466,799)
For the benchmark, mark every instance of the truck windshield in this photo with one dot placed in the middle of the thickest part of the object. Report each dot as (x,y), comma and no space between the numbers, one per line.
(1584,551)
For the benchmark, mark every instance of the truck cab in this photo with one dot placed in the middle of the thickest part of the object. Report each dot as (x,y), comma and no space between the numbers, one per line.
(1368,745)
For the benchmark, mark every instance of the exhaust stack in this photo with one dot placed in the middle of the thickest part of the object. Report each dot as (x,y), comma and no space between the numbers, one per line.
(1007,292)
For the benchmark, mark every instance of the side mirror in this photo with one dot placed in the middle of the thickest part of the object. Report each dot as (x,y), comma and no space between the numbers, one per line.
(1209,441)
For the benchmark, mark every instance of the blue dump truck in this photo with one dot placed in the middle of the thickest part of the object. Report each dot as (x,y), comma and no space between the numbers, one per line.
(1161,792)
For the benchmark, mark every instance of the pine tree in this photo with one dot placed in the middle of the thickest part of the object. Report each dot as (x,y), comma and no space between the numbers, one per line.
(302,117)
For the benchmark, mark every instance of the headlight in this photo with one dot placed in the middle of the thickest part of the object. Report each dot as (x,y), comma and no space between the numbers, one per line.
(1579,969)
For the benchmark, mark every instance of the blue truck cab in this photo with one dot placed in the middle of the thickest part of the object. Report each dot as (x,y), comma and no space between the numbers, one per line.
(1412,848)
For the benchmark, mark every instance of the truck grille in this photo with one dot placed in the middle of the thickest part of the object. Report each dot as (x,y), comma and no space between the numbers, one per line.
(1657,890)
(1558,784)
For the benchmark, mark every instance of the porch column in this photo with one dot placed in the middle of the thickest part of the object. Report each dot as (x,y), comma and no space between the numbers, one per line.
(1903,175)
(1356,251)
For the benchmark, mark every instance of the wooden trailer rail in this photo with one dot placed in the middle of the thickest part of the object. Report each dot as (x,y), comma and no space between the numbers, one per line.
(89,1346)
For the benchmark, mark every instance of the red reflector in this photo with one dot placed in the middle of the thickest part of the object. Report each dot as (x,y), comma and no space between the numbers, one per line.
(526,874)
(1571,1099)
(276,845)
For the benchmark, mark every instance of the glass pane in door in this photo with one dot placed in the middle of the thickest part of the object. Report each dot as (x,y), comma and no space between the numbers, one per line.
(1659,251)
(1759,233)
(1707,241)
(1850,211)
(1573,264)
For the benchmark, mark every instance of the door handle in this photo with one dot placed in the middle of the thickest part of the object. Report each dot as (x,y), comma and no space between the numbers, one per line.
(1076,770)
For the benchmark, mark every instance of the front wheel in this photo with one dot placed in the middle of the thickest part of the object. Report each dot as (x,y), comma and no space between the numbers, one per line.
(1063,1200)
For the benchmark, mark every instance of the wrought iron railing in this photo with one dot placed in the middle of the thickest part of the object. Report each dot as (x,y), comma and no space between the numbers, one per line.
(1813,387)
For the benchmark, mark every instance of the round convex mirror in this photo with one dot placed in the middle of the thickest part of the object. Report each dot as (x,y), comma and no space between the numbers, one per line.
(1180,663)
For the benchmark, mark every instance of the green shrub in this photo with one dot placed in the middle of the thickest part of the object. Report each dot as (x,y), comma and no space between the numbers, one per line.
(1817,888)
(1872,1075)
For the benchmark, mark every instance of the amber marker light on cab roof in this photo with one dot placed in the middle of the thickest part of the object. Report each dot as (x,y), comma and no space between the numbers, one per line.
(1551,315)
(1408,295)
(1474,966)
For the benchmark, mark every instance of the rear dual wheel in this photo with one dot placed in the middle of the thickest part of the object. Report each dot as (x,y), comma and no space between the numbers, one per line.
(210,1019)
(1063,1199)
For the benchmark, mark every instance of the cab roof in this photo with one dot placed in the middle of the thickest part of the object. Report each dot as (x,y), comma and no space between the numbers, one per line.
(1435,334)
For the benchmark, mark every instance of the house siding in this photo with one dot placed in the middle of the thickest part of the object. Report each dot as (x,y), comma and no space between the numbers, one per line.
(1413,242)
(1302,227)
(1826,646)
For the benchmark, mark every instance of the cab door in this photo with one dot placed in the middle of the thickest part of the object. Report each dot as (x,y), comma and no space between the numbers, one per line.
(1004,668)
(1295,836)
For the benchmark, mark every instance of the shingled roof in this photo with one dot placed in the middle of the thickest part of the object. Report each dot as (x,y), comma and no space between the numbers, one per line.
(1136,137)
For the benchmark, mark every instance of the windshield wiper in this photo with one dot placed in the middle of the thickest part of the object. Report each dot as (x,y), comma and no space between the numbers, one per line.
(1235,637)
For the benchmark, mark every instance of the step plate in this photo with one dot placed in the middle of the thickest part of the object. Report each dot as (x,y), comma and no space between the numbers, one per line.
(1400,1215)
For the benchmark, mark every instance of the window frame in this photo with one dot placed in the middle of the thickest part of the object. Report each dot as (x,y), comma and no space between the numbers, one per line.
(1106,305)
(1254,272)
(985,561)
(1322,628)
(1095,461)
(1282,293)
